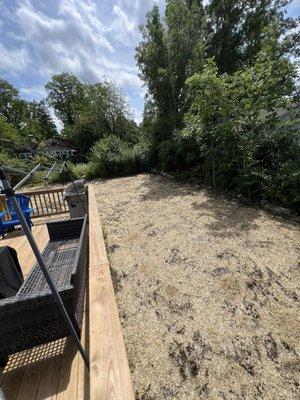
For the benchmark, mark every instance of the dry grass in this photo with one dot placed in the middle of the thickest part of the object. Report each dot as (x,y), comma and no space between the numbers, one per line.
(208,292)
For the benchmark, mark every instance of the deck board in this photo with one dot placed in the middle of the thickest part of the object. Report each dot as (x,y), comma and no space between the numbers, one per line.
(56,371)
(109,375)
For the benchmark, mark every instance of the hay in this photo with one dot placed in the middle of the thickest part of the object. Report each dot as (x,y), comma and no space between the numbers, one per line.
(207,291)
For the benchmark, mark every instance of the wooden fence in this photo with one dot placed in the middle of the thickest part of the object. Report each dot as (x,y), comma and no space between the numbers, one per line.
(47,202)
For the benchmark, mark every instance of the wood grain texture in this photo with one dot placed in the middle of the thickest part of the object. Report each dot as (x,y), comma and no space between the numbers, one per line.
(109,374)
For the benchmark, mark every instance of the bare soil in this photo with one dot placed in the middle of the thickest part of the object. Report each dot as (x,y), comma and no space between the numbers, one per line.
(207,289)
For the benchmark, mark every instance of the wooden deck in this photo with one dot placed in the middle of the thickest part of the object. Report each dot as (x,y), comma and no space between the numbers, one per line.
(56,370)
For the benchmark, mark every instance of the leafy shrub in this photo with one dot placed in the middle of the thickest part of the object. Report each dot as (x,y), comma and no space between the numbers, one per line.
(111,156)
(236,136)
(79,170)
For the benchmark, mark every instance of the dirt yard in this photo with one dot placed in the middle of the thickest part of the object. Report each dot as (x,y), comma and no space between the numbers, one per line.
(207,289)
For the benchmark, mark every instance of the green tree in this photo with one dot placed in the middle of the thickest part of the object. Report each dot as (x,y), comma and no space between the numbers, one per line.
(152,59)
(168,53)
(185,44)
(8,132)
(12,107)
(236,30)
(104,113)
(66,94)
(39,123)
(234,121)
(28,117)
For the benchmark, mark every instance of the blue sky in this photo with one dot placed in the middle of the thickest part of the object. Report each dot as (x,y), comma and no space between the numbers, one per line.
(91,38)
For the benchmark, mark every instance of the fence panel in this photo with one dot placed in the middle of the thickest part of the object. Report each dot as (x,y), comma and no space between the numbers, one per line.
(47,202)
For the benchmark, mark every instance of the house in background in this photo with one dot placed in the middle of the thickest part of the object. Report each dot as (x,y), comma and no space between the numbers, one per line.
(62,149)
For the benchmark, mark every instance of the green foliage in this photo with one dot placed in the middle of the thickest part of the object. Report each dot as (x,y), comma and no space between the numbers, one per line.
(66,94)
(39,123)
(111,156)
(234,120)
(175,47)
(236,30)
(218,79)
(169,51)
(12,108)
(9,133)
(28,118)
(105,113)
(90,112)
(79,170)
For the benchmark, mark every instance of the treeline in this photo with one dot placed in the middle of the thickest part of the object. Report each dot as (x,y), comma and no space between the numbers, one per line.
(222,98)
(95,116)
(222,103)
(22,123)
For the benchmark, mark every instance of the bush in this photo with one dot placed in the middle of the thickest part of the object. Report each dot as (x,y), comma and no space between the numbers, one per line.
(111,156)
(79,170)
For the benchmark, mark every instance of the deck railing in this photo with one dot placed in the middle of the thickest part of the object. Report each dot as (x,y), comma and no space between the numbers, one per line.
(47,202)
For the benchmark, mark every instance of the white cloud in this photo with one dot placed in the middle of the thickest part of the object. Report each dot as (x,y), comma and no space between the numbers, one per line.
(137,9)
(13,60)
(36,92)
(123,27)
(92,39)
(66,43)
(77,41)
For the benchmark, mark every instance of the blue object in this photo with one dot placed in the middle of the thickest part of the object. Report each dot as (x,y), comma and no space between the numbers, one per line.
(24,204)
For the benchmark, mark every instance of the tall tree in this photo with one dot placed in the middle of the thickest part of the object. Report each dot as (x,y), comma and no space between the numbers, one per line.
(235,124)
(27,117)
(236,30)
(104,112)
(185,43)
(66,94)
(39,122)
(166,56)
(152,59)
(12,107)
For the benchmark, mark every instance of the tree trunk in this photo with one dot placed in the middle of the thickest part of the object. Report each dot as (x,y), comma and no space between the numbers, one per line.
(212,163)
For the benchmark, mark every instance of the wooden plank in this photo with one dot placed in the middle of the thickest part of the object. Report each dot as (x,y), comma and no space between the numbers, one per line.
(45,191)
(54,202)
(74,378)
(18,241)
(68,376)
(41,204)
(50,214)
(109,370)
(83,374)
(36,208)
(30,383)
(46,202)
(49,378)
(60,201)
(11,383)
